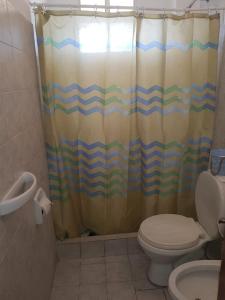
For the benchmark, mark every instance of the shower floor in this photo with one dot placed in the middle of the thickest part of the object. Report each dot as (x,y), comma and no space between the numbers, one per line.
(103,268)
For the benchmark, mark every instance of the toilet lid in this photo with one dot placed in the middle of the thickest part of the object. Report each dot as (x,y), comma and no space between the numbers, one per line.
(170,231)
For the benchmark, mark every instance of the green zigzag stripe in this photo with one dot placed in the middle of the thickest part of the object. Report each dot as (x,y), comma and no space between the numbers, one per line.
(47,89)
(132,161)
(115,89)
(110,146)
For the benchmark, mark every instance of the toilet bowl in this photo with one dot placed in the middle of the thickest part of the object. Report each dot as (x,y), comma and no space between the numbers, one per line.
(163,261)
(195,280)
(170,240)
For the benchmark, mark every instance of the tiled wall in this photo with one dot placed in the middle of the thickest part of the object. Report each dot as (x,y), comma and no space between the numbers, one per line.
(219,130)
(27,251)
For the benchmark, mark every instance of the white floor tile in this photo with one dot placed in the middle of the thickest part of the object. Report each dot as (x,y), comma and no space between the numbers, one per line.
(67,273)
(151,295)
(65,293)
(121,291)
(93,274)
(93,292)
(118,272)
(116,247)
(92,249)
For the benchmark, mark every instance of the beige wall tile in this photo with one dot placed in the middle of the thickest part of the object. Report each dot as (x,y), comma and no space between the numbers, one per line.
(18,27)
(24,66)
(27,256)
(31,279)
(6,68)
(22,7)
(5,33)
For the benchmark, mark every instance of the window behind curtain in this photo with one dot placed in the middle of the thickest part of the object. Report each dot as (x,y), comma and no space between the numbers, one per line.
(98,37)
(107,3)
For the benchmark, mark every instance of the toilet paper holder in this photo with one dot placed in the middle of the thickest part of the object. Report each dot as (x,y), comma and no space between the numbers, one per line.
(42,206)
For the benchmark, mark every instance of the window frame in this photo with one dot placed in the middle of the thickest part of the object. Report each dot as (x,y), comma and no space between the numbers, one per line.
(107,4)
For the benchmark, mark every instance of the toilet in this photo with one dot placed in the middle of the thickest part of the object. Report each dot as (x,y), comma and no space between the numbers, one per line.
(195,280)
(170,240)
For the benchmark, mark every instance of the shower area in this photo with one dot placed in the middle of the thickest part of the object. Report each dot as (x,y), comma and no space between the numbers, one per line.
(110,109)
(128,102)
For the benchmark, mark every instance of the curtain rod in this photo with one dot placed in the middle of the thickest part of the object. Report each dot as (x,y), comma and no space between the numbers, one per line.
(134,8)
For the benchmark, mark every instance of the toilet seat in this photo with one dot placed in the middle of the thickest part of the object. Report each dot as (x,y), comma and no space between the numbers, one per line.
(170,231)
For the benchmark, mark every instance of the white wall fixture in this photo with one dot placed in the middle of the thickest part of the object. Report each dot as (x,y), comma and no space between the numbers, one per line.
(22,191)
(42,206)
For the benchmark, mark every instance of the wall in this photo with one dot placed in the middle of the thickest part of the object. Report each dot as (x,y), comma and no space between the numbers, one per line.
(200,3)
(27,252)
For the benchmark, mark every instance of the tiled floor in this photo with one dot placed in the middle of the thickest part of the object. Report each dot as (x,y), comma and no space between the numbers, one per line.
(104,270)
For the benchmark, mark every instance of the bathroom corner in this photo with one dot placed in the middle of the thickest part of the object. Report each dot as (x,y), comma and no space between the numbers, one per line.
(25,247)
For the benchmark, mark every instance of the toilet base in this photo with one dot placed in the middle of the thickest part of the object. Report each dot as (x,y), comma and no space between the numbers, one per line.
(159,273)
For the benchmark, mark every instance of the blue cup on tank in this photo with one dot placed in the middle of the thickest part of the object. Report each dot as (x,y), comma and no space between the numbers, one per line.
(217,163)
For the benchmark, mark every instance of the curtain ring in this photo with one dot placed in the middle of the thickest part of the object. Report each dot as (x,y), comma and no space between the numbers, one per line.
(137,10)
(71,12)
(164,14)
(43,9)
(141,14)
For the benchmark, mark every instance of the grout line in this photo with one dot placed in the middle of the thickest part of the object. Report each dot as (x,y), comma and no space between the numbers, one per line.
(7,44)
(165,294)
(98,238)
(14,47)
(18,90)
(106,283)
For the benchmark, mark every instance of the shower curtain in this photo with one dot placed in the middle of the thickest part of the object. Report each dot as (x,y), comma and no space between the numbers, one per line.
(128,106)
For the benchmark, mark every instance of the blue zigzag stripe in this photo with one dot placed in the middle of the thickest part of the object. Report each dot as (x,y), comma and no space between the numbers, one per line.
(88,177)
(137,154)
(76,181)
(145,47)
(175,45)
(135,142)
(93,194)
(154,88)
(132,176)
(119,165)
(133,100)
(84,184)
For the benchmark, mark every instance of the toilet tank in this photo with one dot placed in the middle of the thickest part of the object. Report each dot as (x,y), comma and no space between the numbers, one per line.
(210,202)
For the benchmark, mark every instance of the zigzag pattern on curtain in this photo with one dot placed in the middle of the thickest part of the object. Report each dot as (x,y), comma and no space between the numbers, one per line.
(184,99)
(129,117)
(149,168)
(48,41)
